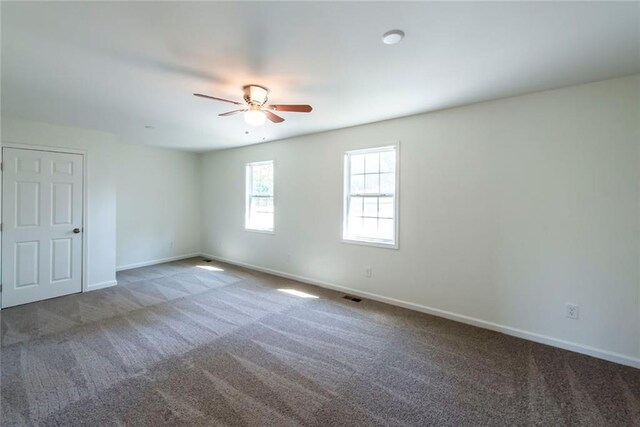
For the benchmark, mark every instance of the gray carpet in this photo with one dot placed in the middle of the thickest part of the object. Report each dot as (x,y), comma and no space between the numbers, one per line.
(183,344)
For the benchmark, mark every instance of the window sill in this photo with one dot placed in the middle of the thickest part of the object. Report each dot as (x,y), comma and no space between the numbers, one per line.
(256,230)
(373,244)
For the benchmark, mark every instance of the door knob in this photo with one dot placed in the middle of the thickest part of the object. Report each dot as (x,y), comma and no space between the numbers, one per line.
(76,230)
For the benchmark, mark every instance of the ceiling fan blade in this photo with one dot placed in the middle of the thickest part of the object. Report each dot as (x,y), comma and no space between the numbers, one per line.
(229,113)
(294,108)
(218,99)
(273,117)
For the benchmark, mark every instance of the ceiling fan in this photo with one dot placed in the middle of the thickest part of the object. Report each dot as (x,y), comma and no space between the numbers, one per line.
(256,108)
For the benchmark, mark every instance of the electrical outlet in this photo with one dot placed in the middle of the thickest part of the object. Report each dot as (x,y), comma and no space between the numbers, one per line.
(368,272)
(572,310)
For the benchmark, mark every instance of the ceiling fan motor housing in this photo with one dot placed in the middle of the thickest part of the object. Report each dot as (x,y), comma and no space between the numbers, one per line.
(255,94)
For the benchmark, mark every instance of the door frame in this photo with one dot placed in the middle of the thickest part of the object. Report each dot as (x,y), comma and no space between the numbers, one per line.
(85,199)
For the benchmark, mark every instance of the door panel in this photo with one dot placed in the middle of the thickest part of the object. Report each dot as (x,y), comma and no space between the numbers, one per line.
(28,165)
(61,259)
(42,204)
(62,168)
(27,204)
(62,203)
(27,263)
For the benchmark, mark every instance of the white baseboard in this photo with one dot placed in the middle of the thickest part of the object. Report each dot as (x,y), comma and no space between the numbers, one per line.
(155,261)
(102,285)
(508,330)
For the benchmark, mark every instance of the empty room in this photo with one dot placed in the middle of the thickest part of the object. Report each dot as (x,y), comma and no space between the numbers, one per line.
(320,213)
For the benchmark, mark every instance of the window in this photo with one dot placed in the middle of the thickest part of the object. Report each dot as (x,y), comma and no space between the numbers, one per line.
(259,203)
(370,202)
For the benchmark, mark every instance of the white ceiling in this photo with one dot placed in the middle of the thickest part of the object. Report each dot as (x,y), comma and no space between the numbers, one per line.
(118,67)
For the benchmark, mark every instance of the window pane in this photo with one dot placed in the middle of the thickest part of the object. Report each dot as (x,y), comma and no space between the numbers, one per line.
(388,161)
(387,183)
(260,210)
(386,207)
(262,179)
(262,204)
(357,184)
(354,227)
(371,183)
(262,221)
(355,207)
(357,163)
(371,206)
(369,227)
(261,213)
(385,229)
(372,163)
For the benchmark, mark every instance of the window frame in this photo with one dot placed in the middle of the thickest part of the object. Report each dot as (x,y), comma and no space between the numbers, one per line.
(346,182)
(248,194)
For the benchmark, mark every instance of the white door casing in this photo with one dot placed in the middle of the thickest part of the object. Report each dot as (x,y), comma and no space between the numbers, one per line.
(42,224)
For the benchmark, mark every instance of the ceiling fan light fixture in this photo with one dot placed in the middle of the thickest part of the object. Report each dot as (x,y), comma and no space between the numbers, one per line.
(254,117)
(257,109)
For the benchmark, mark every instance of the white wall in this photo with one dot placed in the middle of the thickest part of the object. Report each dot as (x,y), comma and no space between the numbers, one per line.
(101,216)
(158,215)
(508,210)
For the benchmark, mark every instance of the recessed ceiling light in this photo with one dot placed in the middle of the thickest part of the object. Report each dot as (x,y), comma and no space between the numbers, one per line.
(392,37)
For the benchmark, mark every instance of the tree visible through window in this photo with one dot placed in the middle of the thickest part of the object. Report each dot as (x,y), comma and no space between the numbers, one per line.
(259,210)
(370,196)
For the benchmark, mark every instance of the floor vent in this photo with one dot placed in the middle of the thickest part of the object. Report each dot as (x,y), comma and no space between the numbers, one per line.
(352,298)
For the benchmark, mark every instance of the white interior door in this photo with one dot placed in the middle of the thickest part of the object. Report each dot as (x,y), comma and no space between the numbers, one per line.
(41,225)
